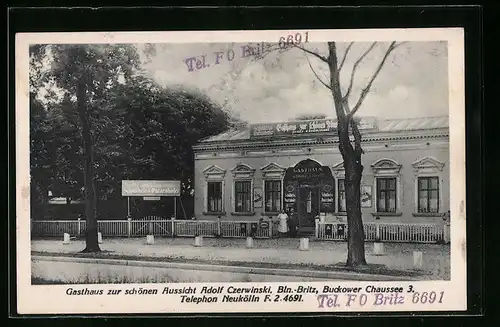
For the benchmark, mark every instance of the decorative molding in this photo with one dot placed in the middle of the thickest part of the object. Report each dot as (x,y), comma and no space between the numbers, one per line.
(247,144)
(214,172)
(338,170)
(386,166)
(428,165)
(272,170)
(242,170)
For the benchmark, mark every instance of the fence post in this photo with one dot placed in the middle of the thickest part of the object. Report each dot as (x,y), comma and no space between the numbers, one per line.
(79,226)
(316,227)
(150,227)
(218,226)
(172,221)
(270,228)
(446,232)
(377,231)
(129,226)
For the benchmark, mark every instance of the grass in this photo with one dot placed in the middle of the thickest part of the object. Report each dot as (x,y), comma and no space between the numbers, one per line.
(368,269)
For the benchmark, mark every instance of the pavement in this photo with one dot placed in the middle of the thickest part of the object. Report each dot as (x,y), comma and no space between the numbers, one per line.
(398,256)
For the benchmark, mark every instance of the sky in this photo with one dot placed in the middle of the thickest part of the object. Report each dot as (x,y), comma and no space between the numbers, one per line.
(413,82)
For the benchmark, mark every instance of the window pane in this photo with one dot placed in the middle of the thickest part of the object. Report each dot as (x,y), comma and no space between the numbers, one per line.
(391,184)
(422,201)
(382,201)
(392,201)
(434,201)
(381,184)
(434,183)
(423,183)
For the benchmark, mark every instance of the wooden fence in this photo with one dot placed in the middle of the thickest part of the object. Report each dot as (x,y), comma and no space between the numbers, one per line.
(387,232)
(384,232)
(157,227)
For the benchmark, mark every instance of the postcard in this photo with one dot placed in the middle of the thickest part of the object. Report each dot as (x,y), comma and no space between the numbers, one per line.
(270,171)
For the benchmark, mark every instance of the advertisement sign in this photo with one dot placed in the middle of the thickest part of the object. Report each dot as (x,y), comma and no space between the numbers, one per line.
(151,188)
(303,127)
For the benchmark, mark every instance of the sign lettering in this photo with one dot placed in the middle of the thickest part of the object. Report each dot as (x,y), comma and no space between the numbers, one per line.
(304,127)
(151,188)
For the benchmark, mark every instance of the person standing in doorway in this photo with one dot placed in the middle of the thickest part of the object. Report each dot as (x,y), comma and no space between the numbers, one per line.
(293,223)
(283,223)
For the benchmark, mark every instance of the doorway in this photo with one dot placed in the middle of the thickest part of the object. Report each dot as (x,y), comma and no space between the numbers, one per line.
(308,206)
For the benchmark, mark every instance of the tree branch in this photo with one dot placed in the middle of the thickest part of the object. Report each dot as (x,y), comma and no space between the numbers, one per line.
(345,56)
(315,74)
(312,52)
(365,91)
(356,64)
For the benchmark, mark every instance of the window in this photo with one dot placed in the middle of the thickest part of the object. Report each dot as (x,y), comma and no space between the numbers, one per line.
(428,194)
(386,194)
(243,196)
(341,198)
(214,196)
(214,191)
(273,196)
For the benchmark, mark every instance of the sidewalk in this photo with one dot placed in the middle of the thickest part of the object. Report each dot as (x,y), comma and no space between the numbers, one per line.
(273,251)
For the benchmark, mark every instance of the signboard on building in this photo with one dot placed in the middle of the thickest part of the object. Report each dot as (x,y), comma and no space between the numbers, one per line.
(303,127)
(151,188)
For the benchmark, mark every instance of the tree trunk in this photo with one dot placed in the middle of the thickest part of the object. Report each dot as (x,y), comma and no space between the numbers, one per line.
(355,232)
(92,244)
(353,172)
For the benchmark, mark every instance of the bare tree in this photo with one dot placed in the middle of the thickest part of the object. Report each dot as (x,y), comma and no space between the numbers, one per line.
(347,130)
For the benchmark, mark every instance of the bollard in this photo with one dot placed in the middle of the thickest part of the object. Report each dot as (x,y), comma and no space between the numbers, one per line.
(304,244)
(417,260)
(150,239)
(249,242)
(378,248)
(66,239)
(99,238)
(198,241)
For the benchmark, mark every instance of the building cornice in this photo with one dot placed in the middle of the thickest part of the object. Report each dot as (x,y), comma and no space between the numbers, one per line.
(308,142)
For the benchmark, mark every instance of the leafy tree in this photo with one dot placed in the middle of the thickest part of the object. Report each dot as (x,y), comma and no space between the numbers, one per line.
(84,73)
(138,130)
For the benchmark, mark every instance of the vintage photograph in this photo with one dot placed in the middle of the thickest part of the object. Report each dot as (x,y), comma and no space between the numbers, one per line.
(296,159)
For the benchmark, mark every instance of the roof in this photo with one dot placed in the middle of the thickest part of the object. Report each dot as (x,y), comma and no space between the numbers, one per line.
(383,125)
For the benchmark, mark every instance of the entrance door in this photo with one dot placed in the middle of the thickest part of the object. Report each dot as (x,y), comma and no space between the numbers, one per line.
(308,206)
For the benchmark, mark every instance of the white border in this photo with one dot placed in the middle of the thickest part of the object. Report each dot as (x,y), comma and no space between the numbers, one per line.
(40,299)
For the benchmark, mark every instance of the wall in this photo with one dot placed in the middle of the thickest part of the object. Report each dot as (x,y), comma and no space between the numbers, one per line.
(404,152)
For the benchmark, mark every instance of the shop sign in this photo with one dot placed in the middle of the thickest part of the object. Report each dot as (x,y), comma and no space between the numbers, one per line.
(304,127)
(152,188)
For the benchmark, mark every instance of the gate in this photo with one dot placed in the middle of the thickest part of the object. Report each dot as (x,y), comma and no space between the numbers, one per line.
(151,225)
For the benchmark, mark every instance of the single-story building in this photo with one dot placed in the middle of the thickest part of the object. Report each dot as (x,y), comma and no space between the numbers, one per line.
(256,171)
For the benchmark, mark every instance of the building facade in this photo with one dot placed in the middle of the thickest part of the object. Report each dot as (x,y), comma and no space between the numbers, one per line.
(256,171)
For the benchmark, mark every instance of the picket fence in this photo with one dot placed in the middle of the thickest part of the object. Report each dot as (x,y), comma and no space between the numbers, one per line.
(387,232)
(384,232)
(157,227)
